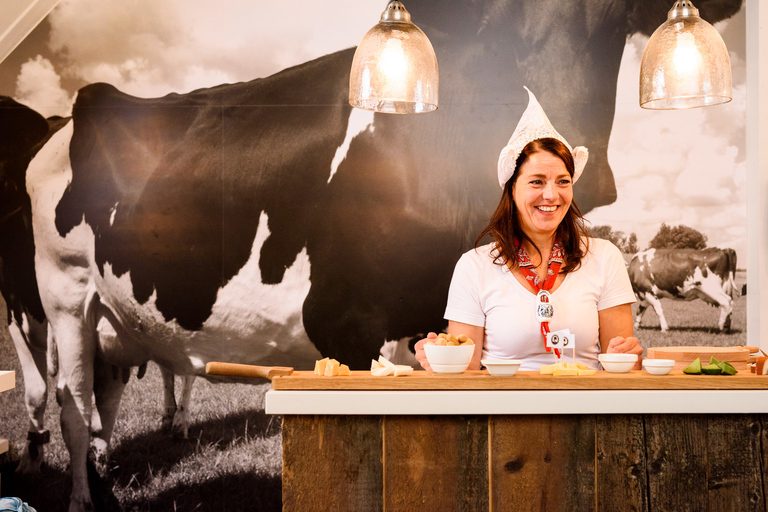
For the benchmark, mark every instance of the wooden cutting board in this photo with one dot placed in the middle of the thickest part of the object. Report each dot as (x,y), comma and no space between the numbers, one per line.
(738,356)
(482,380)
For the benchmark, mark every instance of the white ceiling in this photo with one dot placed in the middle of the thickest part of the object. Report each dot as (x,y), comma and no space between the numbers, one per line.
(17,19)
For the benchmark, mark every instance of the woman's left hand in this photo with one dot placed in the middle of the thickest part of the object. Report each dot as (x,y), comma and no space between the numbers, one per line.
(630,345)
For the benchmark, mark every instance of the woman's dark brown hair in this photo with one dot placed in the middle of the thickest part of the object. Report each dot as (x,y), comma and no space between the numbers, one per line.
(504,226)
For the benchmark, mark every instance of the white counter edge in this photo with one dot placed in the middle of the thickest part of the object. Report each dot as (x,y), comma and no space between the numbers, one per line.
(7,380)
(517,402)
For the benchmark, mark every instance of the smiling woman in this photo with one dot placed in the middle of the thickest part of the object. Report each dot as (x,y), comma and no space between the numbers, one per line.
(542,272)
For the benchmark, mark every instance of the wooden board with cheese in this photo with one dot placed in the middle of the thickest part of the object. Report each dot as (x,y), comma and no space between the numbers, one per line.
(529,380)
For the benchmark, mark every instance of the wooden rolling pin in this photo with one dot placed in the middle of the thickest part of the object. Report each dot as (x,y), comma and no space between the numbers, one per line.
(247,370)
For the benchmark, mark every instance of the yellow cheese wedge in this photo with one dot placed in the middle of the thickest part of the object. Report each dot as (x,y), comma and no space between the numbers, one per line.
(344,370)
(320,366)
(582,366)
(402,369)
(585,371)
(331,368)
(566,371)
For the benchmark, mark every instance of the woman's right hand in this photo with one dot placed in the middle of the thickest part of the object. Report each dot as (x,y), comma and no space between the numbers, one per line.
(421,356)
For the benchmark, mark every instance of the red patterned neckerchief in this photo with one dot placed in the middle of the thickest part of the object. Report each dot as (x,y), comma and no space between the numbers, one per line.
(544,310)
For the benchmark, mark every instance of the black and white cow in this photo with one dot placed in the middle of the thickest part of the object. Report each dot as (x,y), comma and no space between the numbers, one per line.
(684,274)
(269,223)
(23,132)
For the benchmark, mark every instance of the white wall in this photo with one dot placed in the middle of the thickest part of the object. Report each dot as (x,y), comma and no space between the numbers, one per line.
(757,171)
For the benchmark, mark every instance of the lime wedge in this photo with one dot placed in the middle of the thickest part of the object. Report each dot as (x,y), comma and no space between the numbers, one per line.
(712,369)
(727,368)
(694,368)
(712,360)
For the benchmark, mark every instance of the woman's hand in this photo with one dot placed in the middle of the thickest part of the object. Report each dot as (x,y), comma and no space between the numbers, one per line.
(630,345)
(421,356)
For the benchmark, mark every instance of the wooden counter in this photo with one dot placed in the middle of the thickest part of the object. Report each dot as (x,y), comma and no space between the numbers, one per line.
(559,458)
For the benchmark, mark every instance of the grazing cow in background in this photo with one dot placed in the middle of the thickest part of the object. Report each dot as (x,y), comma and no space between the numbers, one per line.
(22,132)
(684,274)
(268,223)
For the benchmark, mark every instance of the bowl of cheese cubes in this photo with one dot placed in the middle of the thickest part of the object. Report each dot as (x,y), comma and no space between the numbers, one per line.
(447,353)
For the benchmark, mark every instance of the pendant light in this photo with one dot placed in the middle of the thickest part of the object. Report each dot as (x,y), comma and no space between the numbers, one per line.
(394,69)
(685,63)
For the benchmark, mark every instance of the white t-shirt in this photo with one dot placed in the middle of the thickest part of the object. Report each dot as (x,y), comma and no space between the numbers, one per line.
(485,294)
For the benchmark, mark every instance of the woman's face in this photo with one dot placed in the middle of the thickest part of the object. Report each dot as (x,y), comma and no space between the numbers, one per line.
(543,193)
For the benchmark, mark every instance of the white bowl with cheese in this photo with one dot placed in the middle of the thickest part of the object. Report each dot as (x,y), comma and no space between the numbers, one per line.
(502,367)
(658,366)
(617,363)
(448,358)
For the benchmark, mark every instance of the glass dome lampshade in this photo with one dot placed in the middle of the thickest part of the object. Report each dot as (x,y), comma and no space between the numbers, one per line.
(394,69)
(685,63)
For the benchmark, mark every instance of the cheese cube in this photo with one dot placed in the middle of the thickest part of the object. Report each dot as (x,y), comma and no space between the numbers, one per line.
(331,368)
(320,366)
(547,369)
(344,370)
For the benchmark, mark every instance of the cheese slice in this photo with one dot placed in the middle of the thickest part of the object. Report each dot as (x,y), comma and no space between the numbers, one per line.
(585,371)
(402,369)
(376,364)
(320,366)
(565,371)
(382,372)
(383,360)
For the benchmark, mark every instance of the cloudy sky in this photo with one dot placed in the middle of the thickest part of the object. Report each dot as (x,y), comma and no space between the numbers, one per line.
(680,167)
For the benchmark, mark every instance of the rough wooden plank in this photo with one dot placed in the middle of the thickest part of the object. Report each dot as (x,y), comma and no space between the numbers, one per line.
(543,462)
(734,463)
(422,380)
(677,466)
(436,463)
(332,463)
(622,482)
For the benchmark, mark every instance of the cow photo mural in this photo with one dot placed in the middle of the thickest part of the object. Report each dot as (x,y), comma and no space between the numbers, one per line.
(185,182)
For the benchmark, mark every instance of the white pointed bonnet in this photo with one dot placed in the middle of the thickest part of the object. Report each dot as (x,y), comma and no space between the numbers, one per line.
(533,125)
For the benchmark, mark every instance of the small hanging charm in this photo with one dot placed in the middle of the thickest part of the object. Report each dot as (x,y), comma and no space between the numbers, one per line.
(544,310)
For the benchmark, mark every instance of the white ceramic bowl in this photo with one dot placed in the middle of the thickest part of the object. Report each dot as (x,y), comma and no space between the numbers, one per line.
(658,366)
(617,363)
(502,367)
(449,359)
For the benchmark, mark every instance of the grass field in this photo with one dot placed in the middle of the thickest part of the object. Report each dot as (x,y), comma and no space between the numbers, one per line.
(232,459)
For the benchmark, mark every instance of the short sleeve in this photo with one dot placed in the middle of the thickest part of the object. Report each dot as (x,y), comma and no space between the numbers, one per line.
(617,288)
(464,303)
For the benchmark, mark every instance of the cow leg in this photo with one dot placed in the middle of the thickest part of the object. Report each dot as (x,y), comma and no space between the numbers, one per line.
(181,418)
(169,399)
(656,303)
(107,391)
(30,339)
(76,349)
